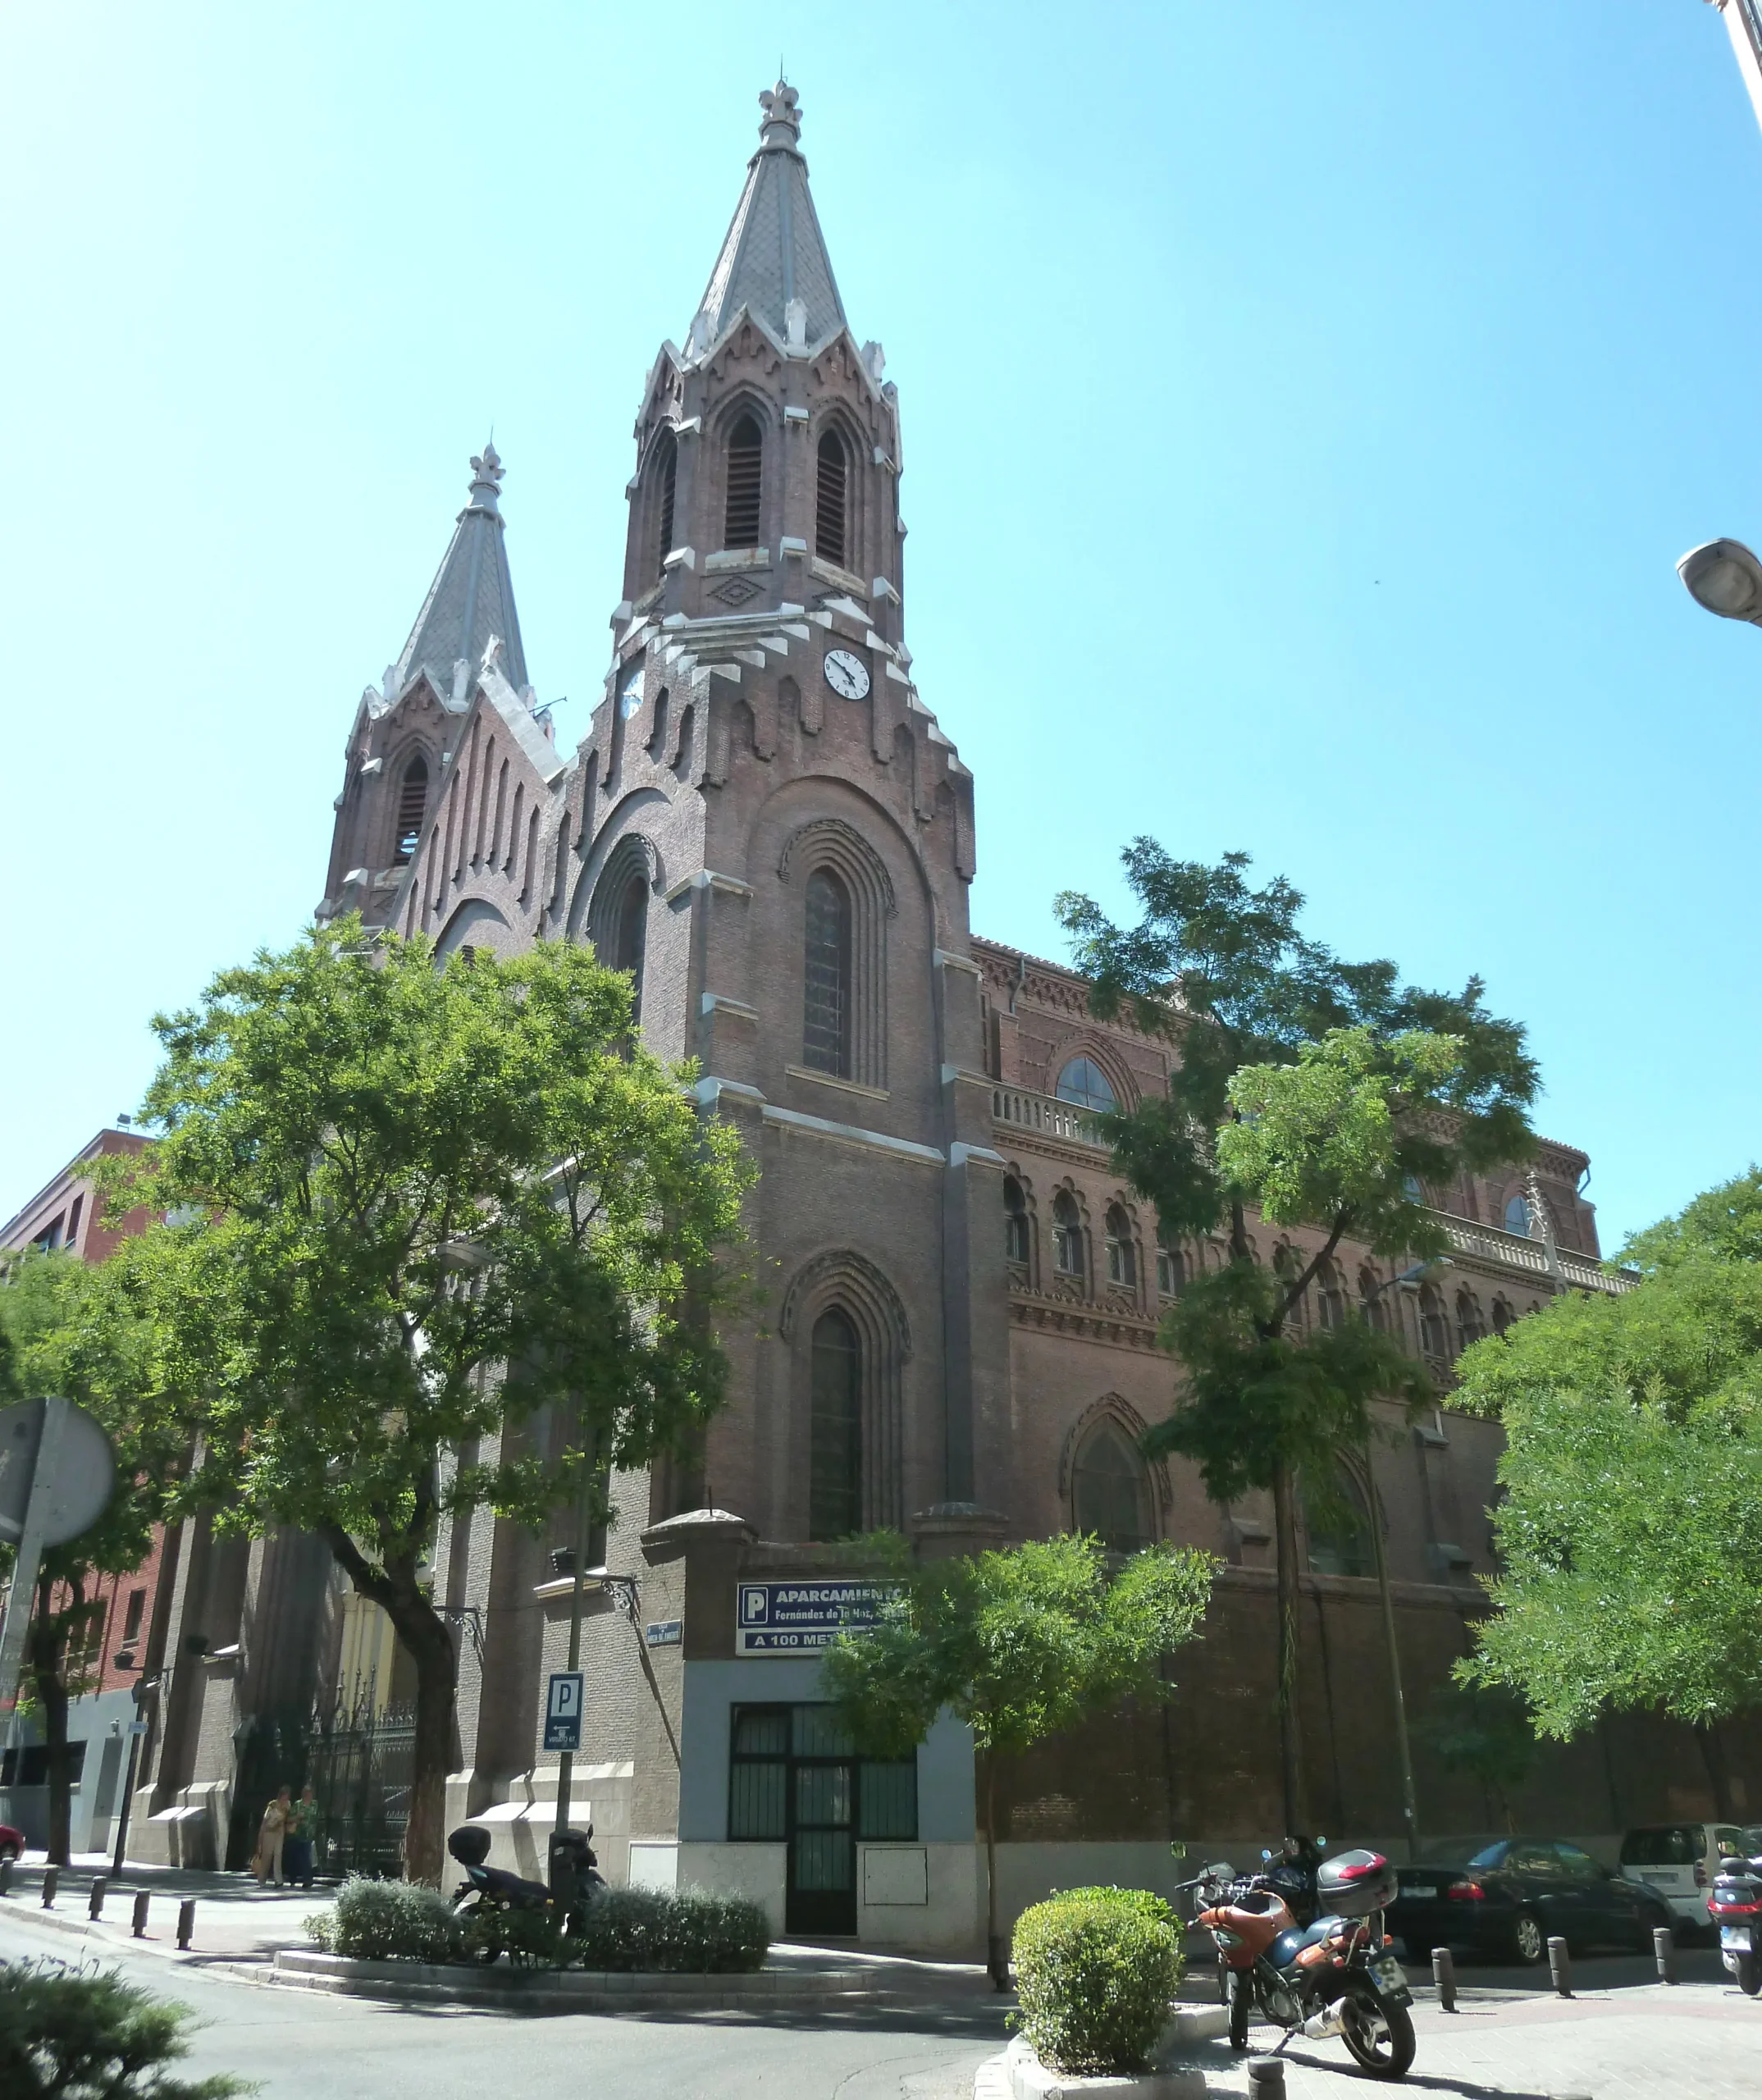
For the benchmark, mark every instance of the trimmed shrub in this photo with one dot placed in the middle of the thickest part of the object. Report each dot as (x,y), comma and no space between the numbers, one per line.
(690,1933)
(86,2036)
(1095,1970)
(1145,1901)
(387,1921)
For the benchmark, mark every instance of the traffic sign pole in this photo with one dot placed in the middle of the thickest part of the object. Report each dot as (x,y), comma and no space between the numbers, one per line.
(30,1558)
(583,1539)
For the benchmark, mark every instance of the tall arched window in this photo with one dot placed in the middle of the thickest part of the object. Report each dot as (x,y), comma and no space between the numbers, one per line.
(1371,1298)
(1503,1315)
(413,806)
(1171,1267)
(1338,1527)
(745,484)
(835,1429)
(1109,1496)
(1517,1216)
(1122,1257)
(826,1019)
(1434,1329)
(667,481)
(830,499)
(1330,1300)
(1016,1225)
(1067,1234)
(1470,1326)
(1084,1083)
(629,935)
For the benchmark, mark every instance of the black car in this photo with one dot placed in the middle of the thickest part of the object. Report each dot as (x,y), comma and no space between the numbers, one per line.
(1511,1898)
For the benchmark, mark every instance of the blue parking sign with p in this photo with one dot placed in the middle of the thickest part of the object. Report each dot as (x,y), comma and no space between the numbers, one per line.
(563,1711)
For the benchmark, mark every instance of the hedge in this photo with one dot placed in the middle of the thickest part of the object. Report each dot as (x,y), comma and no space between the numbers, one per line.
(626,1930)
(1095,1969)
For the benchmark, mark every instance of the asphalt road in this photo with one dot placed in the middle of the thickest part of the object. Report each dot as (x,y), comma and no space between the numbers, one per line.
(296,2042)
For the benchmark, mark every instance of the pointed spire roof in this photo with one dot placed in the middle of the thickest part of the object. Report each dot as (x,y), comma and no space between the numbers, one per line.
(471,599)
(774,255)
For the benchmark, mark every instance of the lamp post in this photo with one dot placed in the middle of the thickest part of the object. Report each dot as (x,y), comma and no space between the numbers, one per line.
(1724,577)
(144,1688)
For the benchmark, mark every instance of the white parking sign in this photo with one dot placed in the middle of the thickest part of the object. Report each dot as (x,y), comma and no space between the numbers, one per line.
(563,1711)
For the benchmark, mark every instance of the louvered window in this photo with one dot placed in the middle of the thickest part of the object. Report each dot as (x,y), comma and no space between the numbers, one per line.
(826,1024)
(413,804)
(828,514)
(745,484)
(628,937)
(667,467)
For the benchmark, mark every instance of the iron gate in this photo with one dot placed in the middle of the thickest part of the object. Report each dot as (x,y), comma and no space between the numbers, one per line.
(361,1766)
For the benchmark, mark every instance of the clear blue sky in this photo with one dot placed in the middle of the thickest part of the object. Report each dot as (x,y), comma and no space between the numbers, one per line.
(1304,409)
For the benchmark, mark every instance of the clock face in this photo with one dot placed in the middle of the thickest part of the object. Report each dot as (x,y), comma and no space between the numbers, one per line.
(847,675)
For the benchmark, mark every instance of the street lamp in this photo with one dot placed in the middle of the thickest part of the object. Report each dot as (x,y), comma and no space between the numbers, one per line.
(1725,577)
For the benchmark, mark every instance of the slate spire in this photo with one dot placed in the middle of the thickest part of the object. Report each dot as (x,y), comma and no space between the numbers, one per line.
(471,599)
(774,261)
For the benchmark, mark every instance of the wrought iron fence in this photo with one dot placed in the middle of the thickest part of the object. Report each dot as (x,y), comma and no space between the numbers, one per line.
(361,1766)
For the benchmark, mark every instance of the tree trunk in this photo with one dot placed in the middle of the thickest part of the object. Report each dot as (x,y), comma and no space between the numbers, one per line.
(1291,1740)
(994,1958)
(1713,1756)
(48,1642)
(423,1635)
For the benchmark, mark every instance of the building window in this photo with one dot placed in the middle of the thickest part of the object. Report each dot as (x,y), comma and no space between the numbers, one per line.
(629,935)
(1016,1225)
(1517,1217)
(1434,1329)
(1068,1235)
(133,1613)
(1330,1300)
(1171,1268)
(826,1024)
(745,483)
(413,804)
(1338,1527)
(1470,1326)
(1109,1496)
(835,1438)
(830,495)
(1371,1301)
(1503,1315)
(783,1762)
(1122,1257)
(1082,1083)
(666,478)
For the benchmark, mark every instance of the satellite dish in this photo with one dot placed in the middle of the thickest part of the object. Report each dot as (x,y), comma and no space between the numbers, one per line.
(78,1487)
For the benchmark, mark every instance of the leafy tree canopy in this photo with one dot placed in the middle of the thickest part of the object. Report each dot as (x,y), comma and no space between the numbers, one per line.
(1631,1529)
(1018,1643)
(415,1205)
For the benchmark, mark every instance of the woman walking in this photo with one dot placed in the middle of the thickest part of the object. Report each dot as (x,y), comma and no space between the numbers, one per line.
(303,1828)
(270,1836)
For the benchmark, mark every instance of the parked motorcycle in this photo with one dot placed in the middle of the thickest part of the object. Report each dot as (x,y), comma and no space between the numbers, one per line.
(490,1893)
(1735,1908)
(1334,1976)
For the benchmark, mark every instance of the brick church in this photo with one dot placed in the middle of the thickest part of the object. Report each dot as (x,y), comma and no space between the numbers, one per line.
(769,829)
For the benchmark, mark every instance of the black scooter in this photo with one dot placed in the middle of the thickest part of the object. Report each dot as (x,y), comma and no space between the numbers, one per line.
(488,1893)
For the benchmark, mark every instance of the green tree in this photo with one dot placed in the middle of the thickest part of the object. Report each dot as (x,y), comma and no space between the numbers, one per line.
(1019,1645)
(73,1331)
(1630,1530)
(445,1241)
(69,2035)
(1322,1093)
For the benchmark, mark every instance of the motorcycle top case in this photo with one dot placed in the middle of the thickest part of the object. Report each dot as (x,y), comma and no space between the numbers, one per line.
(1355,1884)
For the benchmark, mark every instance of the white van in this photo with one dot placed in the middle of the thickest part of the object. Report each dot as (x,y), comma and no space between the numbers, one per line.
(1680,1860)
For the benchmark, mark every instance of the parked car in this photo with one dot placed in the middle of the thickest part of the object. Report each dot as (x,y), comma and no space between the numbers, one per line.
(12,1842)
(1511,1898)
(1679,1860)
